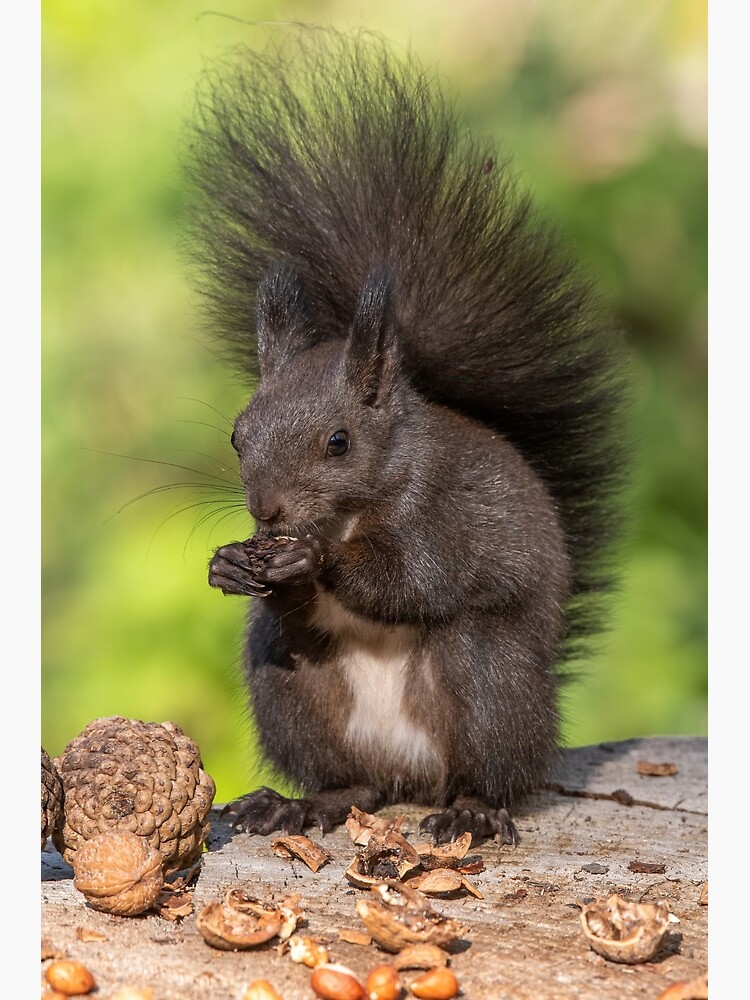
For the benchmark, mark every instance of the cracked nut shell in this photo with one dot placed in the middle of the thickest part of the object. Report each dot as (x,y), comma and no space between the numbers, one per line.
(398,916)
(119,873)
(627,932)
(146,778)
(242,921)
(52,798)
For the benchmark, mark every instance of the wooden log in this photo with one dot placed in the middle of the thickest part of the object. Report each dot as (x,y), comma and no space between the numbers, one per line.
(598,828)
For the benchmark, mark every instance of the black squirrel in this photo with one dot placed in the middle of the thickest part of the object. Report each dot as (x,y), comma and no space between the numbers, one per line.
(433,447)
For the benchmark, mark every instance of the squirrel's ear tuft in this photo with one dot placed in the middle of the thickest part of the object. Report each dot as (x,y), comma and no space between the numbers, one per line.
(372,346)
(282,317)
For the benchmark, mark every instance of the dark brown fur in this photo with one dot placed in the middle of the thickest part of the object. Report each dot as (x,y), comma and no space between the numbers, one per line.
(405,294)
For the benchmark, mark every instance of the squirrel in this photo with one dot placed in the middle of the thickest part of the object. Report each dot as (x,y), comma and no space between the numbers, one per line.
(432,452)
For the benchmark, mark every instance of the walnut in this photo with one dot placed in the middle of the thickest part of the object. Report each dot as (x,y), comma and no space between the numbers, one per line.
(143,777)
(118,872)
(52,797)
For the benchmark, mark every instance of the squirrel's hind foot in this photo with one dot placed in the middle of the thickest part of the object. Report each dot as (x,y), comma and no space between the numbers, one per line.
(473,815)
(265,811)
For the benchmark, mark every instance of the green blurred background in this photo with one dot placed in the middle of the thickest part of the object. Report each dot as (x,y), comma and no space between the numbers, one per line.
(603,106)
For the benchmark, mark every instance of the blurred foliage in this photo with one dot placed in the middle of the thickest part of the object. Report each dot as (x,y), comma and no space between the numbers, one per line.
(602,107)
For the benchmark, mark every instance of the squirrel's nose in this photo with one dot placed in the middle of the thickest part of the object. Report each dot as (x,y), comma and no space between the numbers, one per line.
(267,513)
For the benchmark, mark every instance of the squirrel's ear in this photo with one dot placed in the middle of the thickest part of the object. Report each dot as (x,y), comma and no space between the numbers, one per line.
(372,345)
(282,316)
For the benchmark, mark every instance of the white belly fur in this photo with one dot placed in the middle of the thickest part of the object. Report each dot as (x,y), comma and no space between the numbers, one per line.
(374,658)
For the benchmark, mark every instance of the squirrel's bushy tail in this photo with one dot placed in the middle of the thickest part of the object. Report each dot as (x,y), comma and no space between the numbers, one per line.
(335,157)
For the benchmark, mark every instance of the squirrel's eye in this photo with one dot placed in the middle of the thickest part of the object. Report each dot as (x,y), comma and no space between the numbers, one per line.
(338,443)
(233,440)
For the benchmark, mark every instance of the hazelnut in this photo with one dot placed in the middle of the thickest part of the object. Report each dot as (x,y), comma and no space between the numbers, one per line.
(437,984)
(118,873)
(69,977)
(336,982)
(133,993)
(143,777)
(307,951)
(260,989)
(627,932)
(383,983)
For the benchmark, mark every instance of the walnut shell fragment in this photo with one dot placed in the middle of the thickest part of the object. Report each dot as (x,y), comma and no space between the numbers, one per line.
(443,882)
(627,932)
(397,916)
(52,798)
(351,936)
(453,855)
(145,778)
(420,956)
(298,846)
(387,856)
(446,855)
(361,825)
(119,873)
(242,921)
(656,769)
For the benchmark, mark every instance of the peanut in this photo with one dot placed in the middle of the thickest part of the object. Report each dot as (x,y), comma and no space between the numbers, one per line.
(336,982)
(437,984)
(70,978)
(260,989)
(383,983)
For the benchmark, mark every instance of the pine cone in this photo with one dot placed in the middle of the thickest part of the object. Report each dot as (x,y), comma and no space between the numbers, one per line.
(144,777)
(52,797)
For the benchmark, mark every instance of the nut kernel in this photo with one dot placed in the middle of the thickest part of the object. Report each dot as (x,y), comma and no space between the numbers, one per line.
(336,982)
(69,977)
(383,983)
(437,984)
(307,951)
(260,989)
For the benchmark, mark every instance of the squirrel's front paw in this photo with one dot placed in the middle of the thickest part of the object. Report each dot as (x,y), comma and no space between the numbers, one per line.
(297,560)
(233,570)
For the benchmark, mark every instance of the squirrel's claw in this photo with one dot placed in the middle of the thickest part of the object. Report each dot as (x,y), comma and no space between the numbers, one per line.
(230,573)
(480,820)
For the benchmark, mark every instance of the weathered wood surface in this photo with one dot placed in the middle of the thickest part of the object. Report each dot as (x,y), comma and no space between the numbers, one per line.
(524,938)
